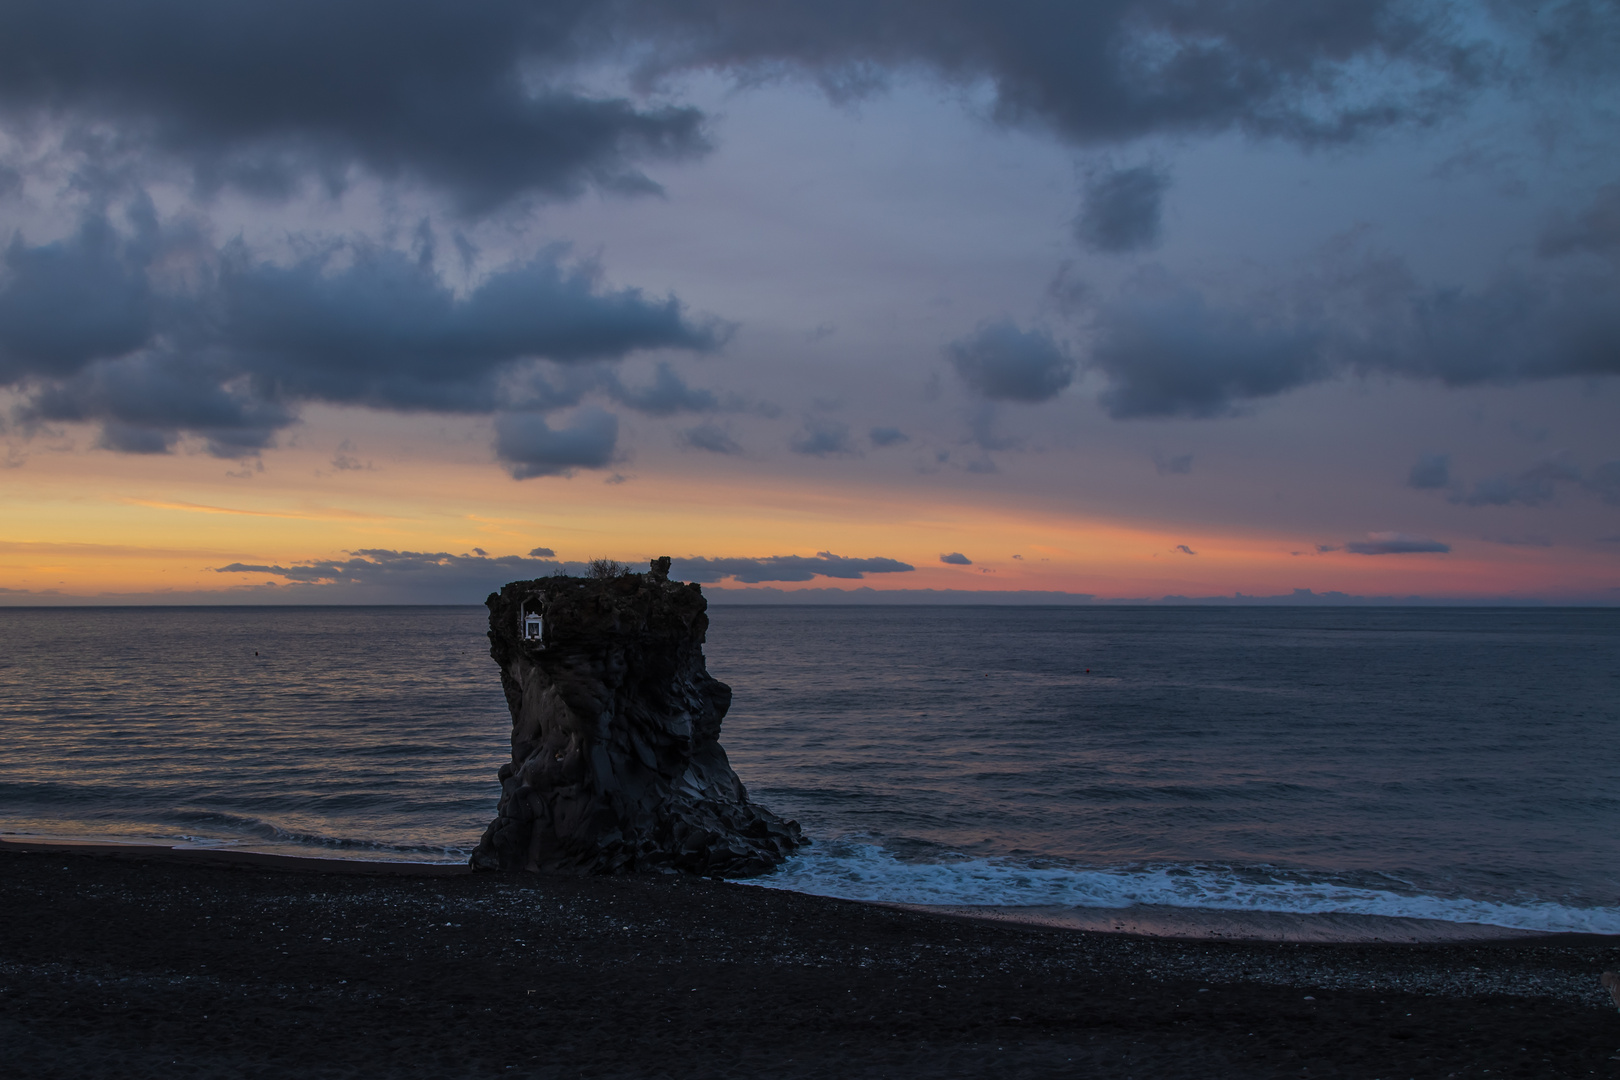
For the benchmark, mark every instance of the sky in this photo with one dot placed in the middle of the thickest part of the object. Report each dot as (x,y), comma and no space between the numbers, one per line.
(1024,301)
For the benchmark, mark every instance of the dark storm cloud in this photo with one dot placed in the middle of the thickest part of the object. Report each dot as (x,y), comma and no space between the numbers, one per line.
(1168,350)
(1519,327)
(1003,363)
(783,568)
(263,96)
(712,438)
(1594,229)
(1393,543)
(232,350)
(1107,70)
(125,439)
(666,395)
(66,303)
(822,438)
(1431,471)
(1581,35)
(530,447)
(385,331)
(370,565)
(956,558)
(1122,209)
(480,101)
(1532,487)
(480,104)
(1176,356)
(143,403)
(387,576)
(1604,480)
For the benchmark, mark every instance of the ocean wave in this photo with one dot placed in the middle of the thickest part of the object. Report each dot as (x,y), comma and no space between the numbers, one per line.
(854,870)
(215,829)
(260,829)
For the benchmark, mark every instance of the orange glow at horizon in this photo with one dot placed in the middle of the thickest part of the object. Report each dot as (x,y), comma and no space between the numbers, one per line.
(91,525)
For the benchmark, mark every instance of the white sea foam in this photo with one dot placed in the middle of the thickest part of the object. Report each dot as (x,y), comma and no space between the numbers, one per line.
(867,871)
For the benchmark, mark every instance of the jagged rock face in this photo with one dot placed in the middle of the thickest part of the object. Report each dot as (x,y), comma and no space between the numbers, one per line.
(616,757)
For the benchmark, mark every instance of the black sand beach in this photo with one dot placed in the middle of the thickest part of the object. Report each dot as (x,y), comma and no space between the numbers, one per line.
(145,962)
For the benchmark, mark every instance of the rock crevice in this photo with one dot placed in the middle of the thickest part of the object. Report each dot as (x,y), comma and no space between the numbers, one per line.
(616,759)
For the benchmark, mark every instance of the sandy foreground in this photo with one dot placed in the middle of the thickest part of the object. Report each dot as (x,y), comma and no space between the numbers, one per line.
(135,962)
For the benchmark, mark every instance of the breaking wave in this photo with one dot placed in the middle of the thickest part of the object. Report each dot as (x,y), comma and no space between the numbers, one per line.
(856,870)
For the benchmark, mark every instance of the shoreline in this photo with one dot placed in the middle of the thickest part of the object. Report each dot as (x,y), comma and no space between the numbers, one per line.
(232,856)
(1218,924)
(160,963)
(1152,921)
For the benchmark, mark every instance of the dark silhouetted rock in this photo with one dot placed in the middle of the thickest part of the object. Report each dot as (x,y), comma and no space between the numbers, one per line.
(616,758)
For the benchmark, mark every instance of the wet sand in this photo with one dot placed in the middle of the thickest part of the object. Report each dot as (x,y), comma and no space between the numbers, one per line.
(135,962)
(1159,921)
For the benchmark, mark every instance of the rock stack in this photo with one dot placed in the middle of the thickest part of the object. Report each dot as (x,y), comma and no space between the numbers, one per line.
(616,759)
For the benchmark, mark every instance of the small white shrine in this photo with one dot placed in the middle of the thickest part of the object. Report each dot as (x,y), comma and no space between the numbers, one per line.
(533,627)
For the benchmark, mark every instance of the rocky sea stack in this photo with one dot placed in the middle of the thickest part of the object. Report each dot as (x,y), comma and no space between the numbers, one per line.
(616,759)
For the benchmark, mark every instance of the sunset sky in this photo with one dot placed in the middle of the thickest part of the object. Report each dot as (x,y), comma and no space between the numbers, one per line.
(394,302)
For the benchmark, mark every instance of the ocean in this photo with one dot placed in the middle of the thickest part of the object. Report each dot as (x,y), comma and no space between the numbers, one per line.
(1460,765)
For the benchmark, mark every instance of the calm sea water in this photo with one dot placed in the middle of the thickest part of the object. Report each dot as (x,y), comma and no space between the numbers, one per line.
(1452,764)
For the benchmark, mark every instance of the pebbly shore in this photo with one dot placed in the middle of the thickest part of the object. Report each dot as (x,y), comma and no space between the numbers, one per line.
(146,962)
